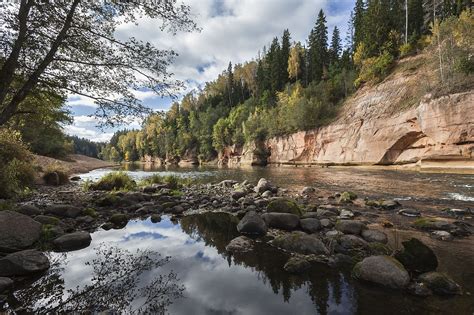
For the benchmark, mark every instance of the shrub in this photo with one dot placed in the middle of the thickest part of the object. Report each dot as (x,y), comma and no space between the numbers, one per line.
(16,171)
(114,181)
(172,181)
(406,50)
(375,68)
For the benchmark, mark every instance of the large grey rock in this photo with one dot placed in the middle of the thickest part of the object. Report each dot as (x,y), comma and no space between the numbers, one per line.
(383,270)
(240,244)
(30,210)
(5,284)
(301,243)
(440,283)
(350,245)
(310,225)
(17,231)
(65,211)
(252,224)
(72,241)
(417,257)
(284,221)
(23,263)
(262,186)
(350,226)
(283,205)
(374,236)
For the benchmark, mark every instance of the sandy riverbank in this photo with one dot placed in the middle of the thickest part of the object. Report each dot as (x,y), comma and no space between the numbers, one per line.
(73,164)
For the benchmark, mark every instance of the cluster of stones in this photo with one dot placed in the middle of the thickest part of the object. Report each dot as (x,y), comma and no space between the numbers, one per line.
(332,236)
(61,220)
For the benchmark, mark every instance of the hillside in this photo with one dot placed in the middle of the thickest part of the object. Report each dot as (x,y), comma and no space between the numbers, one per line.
(393,122)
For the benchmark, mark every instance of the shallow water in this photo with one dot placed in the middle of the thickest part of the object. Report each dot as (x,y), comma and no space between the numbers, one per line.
(252,283)
(429,189)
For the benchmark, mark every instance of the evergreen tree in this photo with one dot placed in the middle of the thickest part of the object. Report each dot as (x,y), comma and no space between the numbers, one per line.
(318,43)
(415,19)
(285,54)
(358,21)
(377,26)
(335,49)
(274,63)
(230,85)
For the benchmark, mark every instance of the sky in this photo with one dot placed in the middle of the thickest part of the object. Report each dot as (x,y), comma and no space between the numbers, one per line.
(231,31)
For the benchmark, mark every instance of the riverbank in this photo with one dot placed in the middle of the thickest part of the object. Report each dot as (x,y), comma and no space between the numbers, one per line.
(72,164)
(315,226)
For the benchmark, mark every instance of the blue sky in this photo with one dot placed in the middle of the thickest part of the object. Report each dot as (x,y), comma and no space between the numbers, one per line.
(231,30)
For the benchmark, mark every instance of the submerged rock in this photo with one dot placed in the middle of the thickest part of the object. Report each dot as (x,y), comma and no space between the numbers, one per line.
(17,231)
(417,257)
(284,221)
(440,283)
(383,270)
(282,205)
(252,224)
(409,212)
(301,243)
(23,263)
(350,227)
(72,241)
(240,244)
(297,264)
(5,284)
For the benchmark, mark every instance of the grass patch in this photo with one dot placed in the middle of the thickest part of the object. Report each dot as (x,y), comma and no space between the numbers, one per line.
(171,181)
(112,182)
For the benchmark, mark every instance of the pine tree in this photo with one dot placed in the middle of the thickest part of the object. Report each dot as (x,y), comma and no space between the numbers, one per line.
(274,64)
(230,85)
(318,42)
(377,26)
(335,48)
(285,54)
(358,21)
(415,19)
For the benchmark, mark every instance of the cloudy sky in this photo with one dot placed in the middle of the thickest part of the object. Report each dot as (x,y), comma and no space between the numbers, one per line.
(231,30)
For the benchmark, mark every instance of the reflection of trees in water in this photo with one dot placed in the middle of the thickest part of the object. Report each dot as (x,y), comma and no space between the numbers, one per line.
(116,285)
(218,229)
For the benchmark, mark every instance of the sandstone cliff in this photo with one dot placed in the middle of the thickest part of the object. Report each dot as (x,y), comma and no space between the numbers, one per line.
(394,122)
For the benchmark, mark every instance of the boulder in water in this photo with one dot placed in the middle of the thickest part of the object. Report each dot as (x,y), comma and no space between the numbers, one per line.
(17,231)
(72,241)
(284,221)
(417,257)
(383,270)
(252,224)
(23,263)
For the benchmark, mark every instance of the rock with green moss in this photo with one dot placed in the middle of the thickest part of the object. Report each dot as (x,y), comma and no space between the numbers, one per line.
(417,257)
(440,283)
(377,248)
(347,197)
(108,200)
(431,224)
(302,243)
(382,270)
(90,212)
(283,205)
(46,219)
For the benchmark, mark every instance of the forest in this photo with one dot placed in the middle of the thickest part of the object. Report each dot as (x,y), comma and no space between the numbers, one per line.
(292,86)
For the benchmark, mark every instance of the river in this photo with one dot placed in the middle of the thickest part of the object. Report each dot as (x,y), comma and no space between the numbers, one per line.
(216,282)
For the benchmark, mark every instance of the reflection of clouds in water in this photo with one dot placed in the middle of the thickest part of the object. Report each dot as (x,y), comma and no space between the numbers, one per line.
(212,286)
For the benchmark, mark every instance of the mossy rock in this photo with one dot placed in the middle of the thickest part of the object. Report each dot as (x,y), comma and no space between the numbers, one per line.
(347,197)
(47,220)
(417,257)
(119,219)
(168,205)
(377,248)
(284,206)
(430,224)
(108,200)
(90,212)
(371,203)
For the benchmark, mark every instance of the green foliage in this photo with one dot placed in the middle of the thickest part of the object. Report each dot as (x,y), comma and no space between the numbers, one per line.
(16,171)
(375,69)
(114,181)
(86,146)
(90,212)
(172,182)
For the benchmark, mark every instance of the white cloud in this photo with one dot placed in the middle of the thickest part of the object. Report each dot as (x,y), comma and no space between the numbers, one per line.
(232,30)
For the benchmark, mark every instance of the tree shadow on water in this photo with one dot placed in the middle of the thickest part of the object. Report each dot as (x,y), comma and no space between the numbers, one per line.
(120,282)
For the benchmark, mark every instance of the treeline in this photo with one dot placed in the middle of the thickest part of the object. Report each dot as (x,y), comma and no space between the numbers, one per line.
(291,86)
